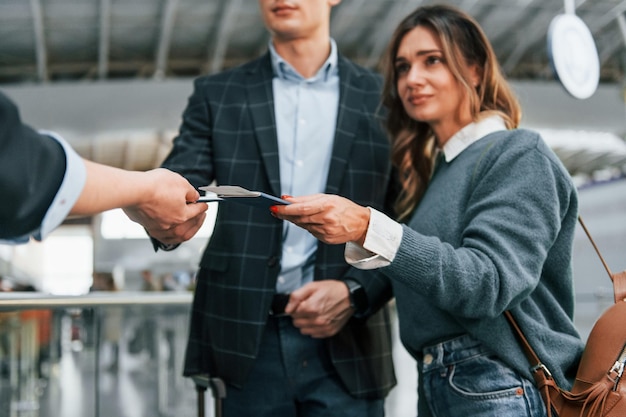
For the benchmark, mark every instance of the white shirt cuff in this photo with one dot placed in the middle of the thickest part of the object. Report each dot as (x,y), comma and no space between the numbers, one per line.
(382,241)
(72,186)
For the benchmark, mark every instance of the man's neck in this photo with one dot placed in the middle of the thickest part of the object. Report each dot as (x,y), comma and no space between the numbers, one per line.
(305,55)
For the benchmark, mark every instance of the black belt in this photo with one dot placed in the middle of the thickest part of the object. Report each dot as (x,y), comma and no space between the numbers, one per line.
(279,302)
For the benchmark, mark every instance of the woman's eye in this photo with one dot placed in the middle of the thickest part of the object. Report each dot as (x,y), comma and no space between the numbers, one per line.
(433,60)
(402,68)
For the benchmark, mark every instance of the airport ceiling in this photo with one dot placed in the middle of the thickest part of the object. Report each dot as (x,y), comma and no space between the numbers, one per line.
(44,42)
(61,40)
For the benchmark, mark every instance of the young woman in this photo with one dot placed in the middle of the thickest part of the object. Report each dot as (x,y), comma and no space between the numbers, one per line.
(488,229)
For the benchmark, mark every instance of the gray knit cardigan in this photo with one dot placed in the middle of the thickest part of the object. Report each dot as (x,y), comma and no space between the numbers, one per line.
(493,232)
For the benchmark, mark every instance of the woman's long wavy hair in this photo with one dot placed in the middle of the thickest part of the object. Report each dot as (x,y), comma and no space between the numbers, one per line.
(464,44)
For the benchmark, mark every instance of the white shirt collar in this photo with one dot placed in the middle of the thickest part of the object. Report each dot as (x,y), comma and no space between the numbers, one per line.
(471,133)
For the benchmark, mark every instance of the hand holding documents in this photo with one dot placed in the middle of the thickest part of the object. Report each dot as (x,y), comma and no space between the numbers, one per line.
(239,195)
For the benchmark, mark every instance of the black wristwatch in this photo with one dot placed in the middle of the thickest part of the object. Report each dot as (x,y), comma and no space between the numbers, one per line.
(358,296)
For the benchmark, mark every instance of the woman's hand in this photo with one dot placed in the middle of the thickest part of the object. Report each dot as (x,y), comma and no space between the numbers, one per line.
(330,218)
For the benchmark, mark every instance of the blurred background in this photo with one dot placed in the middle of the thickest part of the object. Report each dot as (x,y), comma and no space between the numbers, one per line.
(92,321)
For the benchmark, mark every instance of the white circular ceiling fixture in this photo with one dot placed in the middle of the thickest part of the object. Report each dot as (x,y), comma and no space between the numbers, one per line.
(573,55)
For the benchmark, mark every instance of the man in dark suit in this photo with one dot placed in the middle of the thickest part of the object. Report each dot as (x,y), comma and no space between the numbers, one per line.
(43,180)
(300,119)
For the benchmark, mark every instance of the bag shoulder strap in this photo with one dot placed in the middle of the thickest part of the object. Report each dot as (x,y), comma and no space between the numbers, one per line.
(533,359)
(619,287)
(542,376)
(618,279)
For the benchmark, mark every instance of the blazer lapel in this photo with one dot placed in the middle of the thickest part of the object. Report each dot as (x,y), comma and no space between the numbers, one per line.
(347,122)
(261,105)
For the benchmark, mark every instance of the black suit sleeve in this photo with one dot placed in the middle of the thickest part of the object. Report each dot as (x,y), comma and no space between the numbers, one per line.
(33,167)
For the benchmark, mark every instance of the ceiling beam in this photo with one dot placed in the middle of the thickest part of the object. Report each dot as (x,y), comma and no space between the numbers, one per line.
(126,65)
(223,34)
(530,38)
(165,38)
(105,39)
(621,21)
(40,40)
(608,17)
(609,46)
(493,24)
(385,30)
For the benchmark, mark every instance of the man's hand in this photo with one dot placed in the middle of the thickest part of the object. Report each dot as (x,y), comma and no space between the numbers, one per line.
(320,308)
(330,218)
(165,212)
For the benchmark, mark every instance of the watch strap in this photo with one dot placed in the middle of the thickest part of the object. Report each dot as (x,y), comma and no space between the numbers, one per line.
(358,296)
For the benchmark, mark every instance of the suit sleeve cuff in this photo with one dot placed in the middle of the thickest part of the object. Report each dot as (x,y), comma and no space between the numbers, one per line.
(156,245)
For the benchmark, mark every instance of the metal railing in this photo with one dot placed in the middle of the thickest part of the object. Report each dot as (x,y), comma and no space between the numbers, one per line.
(115,350)
(11,301)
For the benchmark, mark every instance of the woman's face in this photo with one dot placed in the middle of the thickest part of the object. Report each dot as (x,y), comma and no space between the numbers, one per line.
(426,86)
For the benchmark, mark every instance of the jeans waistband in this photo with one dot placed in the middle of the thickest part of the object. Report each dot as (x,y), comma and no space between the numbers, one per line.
(451,351)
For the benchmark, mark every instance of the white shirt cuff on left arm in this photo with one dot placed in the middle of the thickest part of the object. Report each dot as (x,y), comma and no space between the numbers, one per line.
(382,241)
(69,192)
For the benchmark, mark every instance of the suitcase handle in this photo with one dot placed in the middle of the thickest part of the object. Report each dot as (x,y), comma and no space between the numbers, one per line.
(218,390)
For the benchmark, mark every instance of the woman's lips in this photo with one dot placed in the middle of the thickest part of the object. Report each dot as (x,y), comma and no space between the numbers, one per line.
(283,8)
(417,99)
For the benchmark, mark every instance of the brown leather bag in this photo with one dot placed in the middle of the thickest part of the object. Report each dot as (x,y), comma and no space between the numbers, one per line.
(599,389)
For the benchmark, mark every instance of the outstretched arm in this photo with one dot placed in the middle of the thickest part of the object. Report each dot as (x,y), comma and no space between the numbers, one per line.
(330,218)
(156,199)
(44,180)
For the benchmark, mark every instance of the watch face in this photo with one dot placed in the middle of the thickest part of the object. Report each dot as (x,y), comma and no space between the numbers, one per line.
(573,55)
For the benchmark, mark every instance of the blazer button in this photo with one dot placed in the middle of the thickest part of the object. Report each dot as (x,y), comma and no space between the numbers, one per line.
(272,261)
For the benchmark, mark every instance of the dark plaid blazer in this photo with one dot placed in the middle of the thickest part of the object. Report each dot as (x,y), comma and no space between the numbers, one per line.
(228,134)
(33,167)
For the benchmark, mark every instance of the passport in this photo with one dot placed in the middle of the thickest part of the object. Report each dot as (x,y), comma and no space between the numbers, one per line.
(239,195)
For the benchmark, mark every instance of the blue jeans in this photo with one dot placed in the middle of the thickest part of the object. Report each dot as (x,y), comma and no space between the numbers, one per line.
(293,377)
(461,378)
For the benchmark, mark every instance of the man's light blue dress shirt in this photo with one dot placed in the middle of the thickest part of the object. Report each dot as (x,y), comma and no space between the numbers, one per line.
(306,116)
